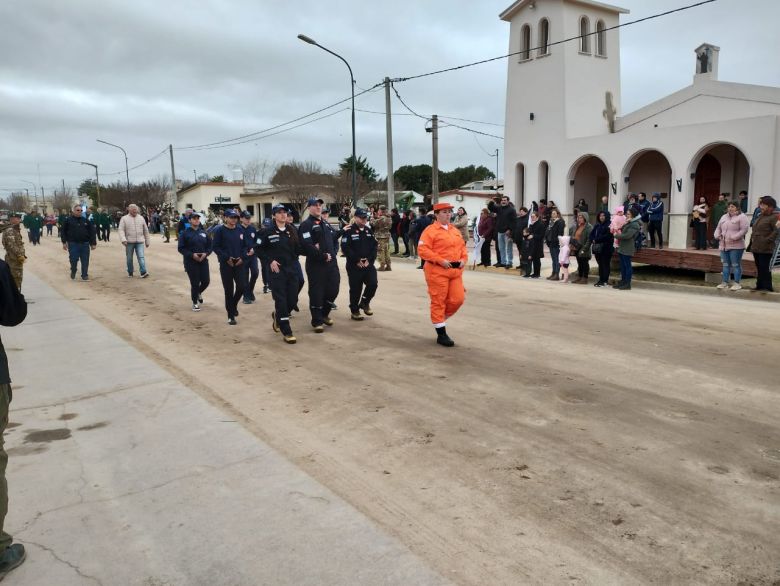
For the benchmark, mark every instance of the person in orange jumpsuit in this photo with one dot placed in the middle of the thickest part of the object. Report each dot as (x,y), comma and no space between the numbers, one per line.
(444,251)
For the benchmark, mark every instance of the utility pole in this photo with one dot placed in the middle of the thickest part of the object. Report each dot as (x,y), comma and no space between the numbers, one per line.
(496,169)
(389,126)
(173,178)
(435,177)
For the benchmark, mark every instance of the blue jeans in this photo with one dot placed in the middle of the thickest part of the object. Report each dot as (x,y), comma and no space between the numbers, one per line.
(626,269)
(554,253)
(505,248)
(138,248)
(79,251)
(732,264)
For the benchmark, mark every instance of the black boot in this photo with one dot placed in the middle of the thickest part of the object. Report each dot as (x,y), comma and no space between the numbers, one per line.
(442,337)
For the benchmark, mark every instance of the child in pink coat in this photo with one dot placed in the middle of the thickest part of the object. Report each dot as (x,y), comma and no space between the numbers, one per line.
(617,222)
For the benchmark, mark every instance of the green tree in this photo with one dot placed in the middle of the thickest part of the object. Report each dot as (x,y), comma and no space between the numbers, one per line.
(463,175)
(89,188)
(415,177)
(218,179)
(364,170)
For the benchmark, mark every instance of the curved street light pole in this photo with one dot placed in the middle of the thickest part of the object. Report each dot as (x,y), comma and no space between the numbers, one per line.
(97,180)
(35,191)
(127,171)
(311,41)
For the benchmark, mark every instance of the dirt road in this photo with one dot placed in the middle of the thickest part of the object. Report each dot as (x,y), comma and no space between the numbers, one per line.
(574,434)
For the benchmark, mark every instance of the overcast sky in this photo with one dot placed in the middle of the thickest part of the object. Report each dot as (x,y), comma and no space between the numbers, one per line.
(145,74)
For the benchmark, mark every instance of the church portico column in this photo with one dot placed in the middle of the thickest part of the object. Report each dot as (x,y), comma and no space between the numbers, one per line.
(679,208)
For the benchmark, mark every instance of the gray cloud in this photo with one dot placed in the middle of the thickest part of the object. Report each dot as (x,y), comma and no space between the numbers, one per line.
(146,74)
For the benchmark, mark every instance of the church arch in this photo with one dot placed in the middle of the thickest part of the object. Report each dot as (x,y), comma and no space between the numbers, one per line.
(525,42)
(588,179)
(649,171)
(584,35)
(519,184)
(601,39)
(544,37)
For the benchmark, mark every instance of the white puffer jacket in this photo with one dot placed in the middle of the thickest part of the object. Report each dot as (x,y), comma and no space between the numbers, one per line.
(133,230)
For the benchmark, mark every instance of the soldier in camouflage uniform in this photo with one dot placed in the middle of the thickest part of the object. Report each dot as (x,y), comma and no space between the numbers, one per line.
(14,249)
(381,226)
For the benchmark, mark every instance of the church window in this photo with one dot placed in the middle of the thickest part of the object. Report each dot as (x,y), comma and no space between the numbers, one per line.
(525,43)
(544,37)
(601,39)
(584,35)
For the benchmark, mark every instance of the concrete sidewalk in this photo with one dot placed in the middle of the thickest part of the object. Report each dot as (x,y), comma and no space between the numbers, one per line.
(119,474)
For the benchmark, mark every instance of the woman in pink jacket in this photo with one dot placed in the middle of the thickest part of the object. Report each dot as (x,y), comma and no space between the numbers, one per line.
(730,232)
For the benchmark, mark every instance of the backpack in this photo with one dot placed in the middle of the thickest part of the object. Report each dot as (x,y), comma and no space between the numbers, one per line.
(639,240)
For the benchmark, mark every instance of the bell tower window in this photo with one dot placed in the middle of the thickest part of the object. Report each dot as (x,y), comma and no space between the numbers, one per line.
(601,39)
(544,37)
(525,43)
(584,35)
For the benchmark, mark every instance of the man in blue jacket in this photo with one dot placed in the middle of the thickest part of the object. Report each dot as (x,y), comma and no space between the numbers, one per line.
(655,214)
(231,249)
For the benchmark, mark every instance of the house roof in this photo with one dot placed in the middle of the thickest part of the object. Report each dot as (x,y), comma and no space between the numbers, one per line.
(519,4)
(485,194)
(211,184)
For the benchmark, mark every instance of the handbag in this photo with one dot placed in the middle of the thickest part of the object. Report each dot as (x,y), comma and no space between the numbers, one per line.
(598,247)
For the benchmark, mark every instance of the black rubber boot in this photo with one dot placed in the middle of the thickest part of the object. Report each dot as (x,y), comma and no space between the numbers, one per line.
(442,337)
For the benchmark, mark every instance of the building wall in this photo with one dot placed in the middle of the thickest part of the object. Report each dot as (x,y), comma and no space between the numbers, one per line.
(203,196)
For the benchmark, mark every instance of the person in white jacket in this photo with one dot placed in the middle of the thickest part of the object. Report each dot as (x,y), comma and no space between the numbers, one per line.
(134,235)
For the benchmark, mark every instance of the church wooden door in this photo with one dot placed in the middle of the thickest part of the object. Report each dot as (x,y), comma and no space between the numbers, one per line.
(707,185)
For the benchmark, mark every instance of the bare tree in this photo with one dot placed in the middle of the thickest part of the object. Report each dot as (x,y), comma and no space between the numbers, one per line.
(62,199)
(301,180)
(342,188)
(255,170)
(18,202)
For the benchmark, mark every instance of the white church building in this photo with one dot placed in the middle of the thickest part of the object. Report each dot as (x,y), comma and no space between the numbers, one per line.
(566,137)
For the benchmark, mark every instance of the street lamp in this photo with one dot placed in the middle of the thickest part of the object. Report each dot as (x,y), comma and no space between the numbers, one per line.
(97,180)
(35,191)
(127,171)
(311,41)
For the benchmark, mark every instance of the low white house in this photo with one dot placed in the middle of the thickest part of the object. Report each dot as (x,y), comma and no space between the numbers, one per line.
(566,138)
(205,195)
(472,200)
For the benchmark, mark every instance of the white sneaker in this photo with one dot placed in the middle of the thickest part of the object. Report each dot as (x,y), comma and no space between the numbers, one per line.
(195,307)
(736,287)
(723,286)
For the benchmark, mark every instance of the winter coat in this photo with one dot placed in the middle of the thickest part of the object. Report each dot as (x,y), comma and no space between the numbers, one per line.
(656,211)
(537,232)
(764,234)
(133,230)
(505,218)
(583,239)
(627,236)
(462,224)
(554,229)
(731,231)
(486,227)
(521,223)
(601,234)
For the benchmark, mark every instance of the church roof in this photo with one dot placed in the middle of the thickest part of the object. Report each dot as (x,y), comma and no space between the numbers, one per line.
(519,4)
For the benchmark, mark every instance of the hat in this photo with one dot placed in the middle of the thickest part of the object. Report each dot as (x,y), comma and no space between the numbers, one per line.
(361,213)
(194,213)
(383,207)
(246,214)
(656,194)
(15,215)
(278,208)
(442,206)
(231,213)
(313,201)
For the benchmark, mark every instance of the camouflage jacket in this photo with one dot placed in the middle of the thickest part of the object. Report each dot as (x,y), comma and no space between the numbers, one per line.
(13,243)
(381,227)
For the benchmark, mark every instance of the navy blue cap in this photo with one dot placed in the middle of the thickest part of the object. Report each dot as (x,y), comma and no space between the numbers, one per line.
(231,213)
(361,213)
(278,208)
(313,201)
(195,213)
(246,214)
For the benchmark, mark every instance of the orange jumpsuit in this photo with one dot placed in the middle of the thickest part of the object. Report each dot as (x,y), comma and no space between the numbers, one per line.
(445,286)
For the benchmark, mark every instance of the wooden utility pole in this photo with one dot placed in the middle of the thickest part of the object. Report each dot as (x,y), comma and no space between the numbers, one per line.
(389,126)
(435,177)
(173,178)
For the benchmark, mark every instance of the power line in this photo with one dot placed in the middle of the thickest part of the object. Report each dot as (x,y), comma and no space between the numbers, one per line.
(139,165)
(256,138)
(525,51)
(481,147)
(448,117)
(259,132)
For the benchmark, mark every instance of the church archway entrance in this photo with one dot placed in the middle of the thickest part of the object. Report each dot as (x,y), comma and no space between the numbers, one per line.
(649,172)
(589,181)
(719,168)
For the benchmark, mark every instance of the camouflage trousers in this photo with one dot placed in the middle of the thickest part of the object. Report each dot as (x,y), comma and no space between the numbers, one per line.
(16,271)
(383,252)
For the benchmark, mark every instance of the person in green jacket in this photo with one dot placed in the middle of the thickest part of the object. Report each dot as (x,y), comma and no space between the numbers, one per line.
(719,210)
(34,224)
(60,221)
(626,248)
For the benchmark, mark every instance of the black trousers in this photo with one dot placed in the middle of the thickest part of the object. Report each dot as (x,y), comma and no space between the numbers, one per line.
(234,283)
(583,267)
(537,265)
(395,242)
(763,270)
(363,284)
(700,236)
(198,273)
(264,271)
(406,243)
(604,258)
(324,281)
(485,253)
(253,270)
(654,228)
(284,290)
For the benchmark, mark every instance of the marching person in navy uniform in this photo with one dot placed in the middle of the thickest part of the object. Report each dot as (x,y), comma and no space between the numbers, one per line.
(279,247)
(253,270)
(231,249)
(360,247)
(268,222)
(195,247)
(318,242)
